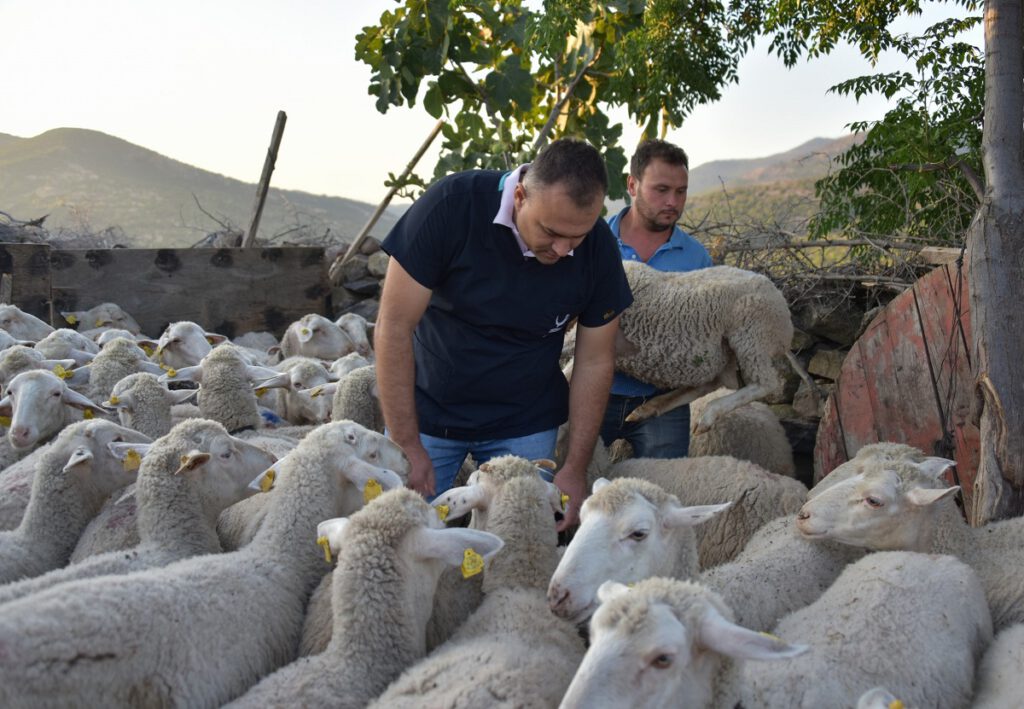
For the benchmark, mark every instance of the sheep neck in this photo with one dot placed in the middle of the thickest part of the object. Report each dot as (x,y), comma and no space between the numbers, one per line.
(171,517)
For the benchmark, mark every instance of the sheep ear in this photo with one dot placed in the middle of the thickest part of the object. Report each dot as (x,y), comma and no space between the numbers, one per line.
(600,483)
(923,496)
(80,456)
(130,454)
(460,501)
(148,346)
(150,367)
(186,374)
(741,643)
(680,516)
(264,482)
(192,460)
(72,317)
(6,409)
(360,473)
(934,467)
(124,400)
(611,589)
(332,530)
(450,545)
(76,377)
(214,338)
(321,390)
(79,401)
(180,396)
(555,498)
(81,357)
(52,364)
(268,378)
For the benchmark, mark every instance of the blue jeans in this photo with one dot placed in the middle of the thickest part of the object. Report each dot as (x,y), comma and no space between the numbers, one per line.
(665,436)
(447,454)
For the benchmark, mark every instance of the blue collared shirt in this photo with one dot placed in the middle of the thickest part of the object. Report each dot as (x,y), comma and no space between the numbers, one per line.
(680,253)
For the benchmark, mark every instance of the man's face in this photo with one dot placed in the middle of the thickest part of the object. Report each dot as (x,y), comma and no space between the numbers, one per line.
(659,195)
(549,221)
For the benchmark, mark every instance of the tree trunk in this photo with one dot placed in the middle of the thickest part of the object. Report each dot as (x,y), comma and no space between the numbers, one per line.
(996,275)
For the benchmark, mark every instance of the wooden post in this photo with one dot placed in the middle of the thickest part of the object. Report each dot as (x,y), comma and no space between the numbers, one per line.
(335,272)
(264,185)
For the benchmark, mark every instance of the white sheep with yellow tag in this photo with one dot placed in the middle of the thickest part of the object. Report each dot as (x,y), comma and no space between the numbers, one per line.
(209,626)
(389,557)
(185,480)
(73,478)
(314,335)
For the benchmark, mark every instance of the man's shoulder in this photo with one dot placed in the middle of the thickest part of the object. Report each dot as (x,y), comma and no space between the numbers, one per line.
(469,181)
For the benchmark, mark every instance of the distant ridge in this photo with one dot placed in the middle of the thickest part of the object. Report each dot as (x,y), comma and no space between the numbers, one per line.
(88,178)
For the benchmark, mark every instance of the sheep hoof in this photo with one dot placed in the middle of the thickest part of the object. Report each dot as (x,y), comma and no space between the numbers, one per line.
(641,413)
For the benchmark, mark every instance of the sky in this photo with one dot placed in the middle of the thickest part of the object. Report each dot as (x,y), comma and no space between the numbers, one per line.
(201,81)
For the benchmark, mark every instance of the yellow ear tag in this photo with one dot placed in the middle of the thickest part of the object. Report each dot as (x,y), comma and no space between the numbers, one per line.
(770,636)
(71,319)
(372,490)
(261,391)
(114,401)
(99,323)
(304,331)
(87,414)
(322,541)
(61,372)
(442,512)
(316,391)
(472,563)
(148,350)
(209,340)
(268,480)
(171,372)
(896,704)
(564,499)
(5,421)
(132,460)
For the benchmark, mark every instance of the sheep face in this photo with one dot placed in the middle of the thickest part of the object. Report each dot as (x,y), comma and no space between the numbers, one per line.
(222,466)
(21,325)
(37,401)
(104,315)
(302,405)
(316,336)
(90,457)
(183,344)
(889,507)
(625,538)
(662,644)
(355,326)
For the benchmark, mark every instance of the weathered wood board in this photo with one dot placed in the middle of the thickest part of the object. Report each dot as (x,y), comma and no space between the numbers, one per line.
(28,266)
(228,291)
(908,380)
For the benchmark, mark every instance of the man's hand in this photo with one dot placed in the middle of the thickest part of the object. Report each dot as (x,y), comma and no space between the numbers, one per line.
(574,484)
(421,471)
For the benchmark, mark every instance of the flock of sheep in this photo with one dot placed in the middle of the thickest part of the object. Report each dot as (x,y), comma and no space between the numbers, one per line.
(195,522)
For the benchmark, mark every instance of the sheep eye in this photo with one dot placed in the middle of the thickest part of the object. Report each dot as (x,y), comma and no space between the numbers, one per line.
(873,502)
(118,439)
(638,535)
(662,662)
(56,393)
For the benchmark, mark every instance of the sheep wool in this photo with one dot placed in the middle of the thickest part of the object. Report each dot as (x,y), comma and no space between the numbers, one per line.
(118,358)
(225,394)
(751,432)
(355,399)
(1000,681)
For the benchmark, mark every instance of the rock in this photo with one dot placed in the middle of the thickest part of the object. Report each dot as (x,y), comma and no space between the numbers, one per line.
(791,379)
(809,404)
(377,264)
(354,269)
(363,286)
(827,364)
(801,341)
(368,308)
(370,245)
(838,322)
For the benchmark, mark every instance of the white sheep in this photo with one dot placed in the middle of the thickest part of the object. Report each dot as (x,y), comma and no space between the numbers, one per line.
(146,405)
(914,623)
(511,647)
(198,632)
(72,480)
(343,365)
(296,403)
(101,317)
(118,359)
(357,328)
(67,344)
(186,479)
(19,358)
(1001,671)
(40,405)
(687,331)
(21,325)
(667,643)
(900,504)
(16,484)
(314,335)
(630,529)
(758,496)
(778,572)
(7,340)
(184,344)
(750,432)
(356,398)
(390,555)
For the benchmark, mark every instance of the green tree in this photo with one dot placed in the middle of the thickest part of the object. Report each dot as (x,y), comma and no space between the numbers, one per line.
(508,75)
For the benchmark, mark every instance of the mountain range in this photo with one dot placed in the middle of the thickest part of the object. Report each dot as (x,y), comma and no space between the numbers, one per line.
(86,180)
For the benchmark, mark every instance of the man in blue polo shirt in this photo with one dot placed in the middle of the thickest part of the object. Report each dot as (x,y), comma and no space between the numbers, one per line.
(647,231)
(487,270)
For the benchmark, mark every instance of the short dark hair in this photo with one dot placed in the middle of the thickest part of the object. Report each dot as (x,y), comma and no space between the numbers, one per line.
(655,149)
(576,165)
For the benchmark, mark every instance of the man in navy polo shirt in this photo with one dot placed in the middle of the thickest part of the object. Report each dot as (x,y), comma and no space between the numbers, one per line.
(647,231)
(487,270)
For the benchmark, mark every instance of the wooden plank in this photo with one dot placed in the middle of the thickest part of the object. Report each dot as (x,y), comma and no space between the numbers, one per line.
(28,266)
(906,378)
(939,255)
(229,291)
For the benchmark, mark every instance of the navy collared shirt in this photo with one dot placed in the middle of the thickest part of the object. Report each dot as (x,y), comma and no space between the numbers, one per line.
(488,345)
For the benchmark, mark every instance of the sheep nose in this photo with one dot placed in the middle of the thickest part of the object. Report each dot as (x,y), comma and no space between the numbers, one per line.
(21,434)
(557,597)
(803,515)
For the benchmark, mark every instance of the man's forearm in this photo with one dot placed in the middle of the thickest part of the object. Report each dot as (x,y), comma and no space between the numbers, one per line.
(588,397)
(396,374)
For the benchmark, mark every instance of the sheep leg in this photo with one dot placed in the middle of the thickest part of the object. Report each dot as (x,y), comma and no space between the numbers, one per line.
(663,403)
(729,402)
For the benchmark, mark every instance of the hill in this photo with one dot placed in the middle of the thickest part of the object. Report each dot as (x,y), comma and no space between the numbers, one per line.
(86,179)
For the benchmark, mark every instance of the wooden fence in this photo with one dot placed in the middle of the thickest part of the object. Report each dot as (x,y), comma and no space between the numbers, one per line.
(228,291)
